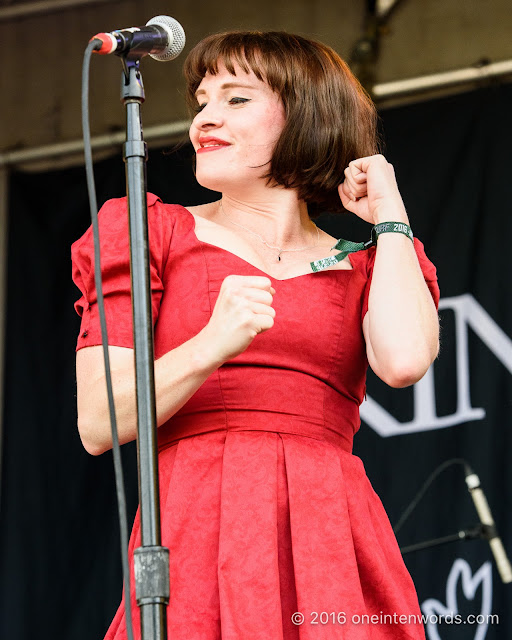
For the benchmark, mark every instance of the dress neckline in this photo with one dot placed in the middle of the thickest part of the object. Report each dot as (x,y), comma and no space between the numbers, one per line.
(301,275)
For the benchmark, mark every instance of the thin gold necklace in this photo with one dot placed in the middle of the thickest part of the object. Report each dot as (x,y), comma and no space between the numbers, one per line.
(265,242)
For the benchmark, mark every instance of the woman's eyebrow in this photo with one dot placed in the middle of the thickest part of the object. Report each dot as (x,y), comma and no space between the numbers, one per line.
(229,85)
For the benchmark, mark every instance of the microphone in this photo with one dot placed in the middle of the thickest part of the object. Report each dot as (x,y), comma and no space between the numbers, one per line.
(162,38)
(489,528)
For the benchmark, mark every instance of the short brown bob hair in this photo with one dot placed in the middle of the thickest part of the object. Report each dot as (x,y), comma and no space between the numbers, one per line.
(330,119)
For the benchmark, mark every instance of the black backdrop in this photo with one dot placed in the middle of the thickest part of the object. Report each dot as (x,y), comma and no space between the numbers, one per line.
(60,575)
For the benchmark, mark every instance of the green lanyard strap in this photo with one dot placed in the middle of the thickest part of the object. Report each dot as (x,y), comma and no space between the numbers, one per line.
(345,247)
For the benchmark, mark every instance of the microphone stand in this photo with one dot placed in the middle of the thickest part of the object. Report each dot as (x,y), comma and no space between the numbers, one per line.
(151,560)
(482,531)
(478,531)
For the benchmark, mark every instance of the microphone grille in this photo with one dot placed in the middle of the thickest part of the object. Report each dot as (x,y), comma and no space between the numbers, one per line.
(176,38)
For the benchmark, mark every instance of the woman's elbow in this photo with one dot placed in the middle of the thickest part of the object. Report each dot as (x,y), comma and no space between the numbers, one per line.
(403,377)
(409,370)
(92,442)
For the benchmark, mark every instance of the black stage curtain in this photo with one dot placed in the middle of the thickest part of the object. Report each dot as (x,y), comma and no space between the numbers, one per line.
(60,572)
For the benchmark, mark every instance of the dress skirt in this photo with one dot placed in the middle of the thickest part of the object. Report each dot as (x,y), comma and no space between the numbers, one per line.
(276,536)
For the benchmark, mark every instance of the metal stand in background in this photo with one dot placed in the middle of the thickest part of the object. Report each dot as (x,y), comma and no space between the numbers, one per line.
(478,531)
(151,559)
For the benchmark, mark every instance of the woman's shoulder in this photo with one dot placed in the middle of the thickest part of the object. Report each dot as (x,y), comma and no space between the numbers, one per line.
(118,207)
(164,222)
(113,217)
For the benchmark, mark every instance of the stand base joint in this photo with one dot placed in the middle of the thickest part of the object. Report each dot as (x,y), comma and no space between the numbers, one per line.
(151,566)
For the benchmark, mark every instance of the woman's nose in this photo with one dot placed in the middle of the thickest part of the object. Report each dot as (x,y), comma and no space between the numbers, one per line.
(208,117)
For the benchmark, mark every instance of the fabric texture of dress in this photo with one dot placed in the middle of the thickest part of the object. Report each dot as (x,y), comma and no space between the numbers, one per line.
(264,508)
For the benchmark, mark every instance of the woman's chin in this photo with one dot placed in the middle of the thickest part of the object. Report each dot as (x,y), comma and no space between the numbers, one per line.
(209,183)
(215,182)
(229,179)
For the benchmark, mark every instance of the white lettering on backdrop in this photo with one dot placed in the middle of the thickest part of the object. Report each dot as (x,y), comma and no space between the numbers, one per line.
(468,313)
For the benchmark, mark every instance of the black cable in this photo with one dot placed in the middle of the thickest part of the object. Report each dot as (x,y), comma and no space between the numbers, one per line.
(118,468)
(425,486)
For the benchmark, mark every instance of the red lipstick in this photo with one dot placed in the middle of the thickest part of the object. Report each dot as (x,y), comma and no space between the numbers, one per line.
(214,144)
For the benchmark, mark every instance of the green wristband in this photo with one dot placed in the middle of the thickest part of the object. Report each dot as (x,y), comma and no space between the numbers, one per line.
(391,227)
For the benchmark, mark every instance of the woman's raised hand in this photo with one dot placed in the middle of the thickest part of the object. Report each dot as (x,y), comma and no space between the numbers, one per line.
(242,311)
(370,190)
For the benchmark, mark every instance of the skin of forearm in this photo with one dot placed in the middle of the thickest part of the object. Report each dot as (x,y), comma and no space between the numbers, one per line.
(178,375)
(403,322)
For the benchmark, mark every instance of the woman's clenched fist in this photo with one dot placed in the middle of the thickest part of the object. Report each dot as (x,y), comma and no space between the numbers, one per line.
(242,311)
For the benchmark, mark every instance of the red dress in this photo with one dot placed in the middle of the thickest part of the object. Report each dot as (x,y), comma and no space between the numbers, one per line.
(265,510)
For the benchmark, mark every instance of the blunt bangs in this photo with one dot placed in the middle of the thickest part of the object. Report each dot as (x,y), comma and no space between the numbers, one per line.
(251,50)
(330,119)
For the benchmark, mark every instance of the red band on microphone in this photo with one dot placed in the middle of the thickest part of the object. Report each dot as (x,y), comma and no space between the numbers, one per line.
(109,43)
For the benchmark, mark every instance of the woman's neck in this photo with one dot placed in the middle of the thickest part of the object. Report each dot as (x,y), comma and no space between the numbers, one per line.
(277,215)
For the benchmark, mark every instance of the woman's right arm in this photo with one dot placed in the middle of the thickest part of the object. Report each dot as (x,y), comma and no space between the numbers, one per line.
(178,375)
(243,309)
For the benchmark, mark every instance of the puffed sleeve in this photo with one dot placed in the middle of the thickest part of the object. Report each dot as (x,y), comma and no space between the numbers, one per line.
(427,267)
(115,268)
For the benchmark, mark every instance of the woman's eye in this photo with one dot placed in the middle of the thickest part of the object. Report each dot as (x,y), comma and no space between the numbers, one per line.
(235,100)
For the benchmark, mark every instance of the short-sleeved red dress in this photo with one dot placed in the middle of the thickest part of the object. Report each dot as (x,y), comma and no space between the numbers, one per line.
(265,510)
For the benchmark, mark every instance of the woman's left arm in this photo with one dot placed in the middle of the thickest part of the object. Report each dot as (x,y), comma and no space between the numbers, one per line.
(401,327)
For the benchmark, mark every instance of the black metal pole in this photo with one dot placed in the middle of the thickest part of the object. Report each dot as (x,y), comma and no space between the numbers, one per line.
(151,559)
